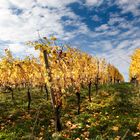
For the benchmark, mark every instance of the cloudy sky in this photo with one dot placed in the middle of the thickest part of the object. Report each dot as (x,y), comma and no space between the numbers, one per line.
(105,28)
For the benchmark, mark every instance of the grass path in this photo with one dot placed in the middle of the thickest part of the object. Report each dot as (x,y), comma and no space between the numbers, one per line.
(113,114)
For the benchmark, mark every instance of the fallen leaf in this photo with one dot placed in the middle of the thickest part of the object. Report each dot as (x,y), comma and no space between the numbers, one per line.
(115,128)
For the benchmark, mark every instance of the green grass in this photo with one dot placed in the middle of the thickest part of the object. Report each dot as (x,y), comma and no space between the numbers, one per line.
(112,114)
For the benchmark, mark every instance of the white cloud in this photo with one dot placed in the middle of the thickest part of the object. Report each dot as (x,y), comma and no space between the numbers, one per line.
(30,3)
(120,55)
(93,2)
(24,5)
(102,45)
(130,6)
(124,44)
(20,50)
(4,4)
(16,48)
(55,3)
(102,27)
(24,27)
(31,51)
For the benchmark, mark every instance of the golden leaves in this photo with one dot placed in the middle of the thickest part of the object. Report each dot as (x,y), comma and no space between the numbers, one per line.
(136,134)
(70,125)
(138,126)
(53,38)
(117,138)
(134,70)
(27,117)
(115,128)
(68,67)
(77,139)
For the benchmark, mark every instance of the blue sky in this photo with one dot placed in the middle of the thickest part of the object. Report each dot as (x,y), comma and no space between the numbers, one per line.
(105,28)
